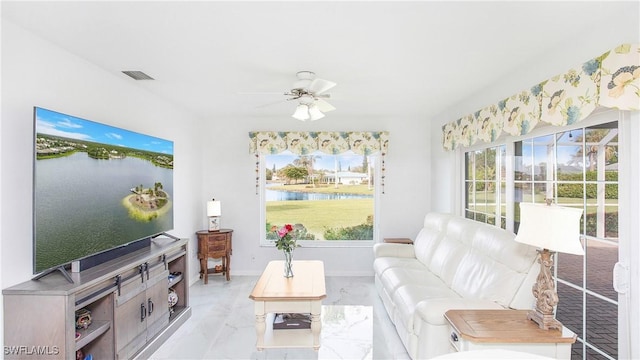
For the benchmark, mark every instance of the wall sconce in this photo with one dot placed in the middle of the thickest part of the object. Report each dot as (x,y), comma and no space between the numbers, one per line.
(214,212)
(551,228)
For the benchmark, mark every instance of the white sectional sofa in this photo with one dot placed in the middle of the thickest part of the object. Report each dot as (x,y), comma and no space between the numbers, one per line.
(454,263)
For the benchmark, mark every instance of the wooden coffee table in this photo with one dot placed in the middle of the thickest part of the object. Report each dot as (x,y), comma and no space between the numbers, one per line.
(303,293)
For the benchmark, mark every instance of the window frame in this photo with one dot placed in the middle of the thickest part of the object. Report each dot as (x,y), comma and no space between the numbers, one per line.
(377,193)
(499,181)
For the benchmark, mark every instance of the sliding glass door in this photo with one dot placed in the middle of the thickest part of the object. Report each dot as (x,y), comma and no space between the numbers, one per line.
(579,168)
(575,168)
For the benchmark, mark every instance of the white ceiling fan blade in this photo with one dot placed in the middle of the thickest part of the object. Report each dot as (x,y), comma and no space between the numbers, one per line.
(270,104)
(260,93)
(318,86)
(324,106)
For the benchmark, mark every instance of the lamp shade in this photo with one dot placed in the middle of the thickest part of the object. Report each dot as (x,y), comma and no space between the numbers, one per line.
(214,208)
(315,113)
(551,227)
(301,113)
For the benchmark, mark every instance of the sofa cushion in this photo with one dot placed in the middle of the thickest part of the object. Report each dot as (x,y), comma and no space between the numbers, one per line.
(436,221)
(381,265)
(446,258)
(500,245)
(406,298)
(480,277)
(393,278)
(495,267)
(429,236)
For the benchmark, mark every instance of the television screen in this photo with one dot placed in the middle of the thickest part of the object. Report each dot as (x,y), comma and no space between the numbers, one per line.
(96,187)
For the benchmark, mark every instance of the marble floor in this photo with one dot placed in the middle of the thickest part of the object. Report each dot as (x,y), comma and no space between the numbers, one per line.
(222,324)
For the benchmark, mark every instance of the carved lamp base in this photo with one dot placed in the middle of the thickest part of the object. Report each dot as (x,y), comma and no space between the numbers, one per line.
(544,321)
(545,293)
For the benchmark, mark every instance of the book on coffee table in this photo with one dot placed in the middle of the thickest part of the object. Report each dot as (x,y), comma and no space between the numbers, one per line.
(292,321)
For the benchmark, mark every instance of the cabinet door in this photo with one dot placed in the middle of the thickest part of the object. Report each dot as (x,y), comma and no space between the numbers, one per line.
(157,303)
(130,318)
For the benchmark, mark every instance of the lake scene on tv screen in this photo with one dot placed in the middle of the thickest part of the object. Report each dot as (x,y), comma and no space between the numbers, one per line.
(96,187)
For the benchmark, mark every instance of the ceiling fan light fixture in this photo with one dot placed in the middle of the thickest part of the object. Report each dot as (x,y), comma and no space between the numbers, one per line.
(301,113)
(315,113)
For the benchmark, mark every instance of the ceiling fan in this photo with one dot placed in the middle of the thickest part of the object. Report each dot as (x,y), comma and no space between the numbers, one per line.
(310,93)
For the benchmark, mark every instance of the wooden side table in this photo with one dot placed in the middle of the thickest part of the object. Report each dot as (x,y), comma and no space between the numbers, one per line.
(507,330)
(214,245)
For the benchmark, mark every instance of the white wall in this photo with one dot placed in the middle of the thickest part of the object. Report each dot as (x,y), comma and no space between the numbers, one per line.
(37,73)
(230,177)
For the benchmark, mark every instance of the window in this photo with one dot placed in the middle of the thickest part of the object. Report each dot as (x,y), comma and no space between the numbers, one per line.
(485,199)
(329,199)
(324,183)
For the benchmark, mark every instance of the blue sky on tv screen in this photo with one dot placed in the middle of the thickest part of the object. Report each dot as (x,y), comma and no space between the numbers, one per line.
(57,124)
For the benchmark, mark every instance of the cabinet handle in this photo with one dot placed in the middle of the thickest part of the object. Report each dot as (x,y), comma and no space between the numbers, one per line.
(454,337)
(119,283)
(141,272)
(150,304)
(143,312)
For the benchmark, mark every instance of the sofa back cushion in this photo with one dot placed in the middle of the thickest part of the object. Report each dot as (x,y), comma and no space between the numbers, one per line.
(452,248)
(430,236)
(476,260)
(495,267)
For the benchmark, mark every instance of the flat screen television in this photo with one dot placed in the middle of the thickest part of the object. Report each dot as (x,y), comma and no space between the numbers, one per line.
(96,188)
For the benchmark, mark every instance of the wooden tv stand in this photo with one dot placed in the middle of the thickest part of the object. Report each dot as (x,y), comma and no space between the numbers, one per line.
(127,298)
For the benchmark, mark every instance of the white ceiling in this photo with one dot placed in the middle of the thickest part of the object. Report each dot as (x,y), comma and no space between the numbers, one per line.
(388,58)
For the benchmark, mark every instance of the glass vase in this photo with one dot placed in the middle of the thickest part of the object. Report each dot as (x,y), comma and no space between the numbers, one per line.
(288,271)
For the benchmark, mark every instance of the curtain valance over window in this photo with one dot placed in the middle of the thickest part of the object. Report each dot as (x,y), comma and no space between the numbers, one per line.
(304,143)
(611,80)
(334,143)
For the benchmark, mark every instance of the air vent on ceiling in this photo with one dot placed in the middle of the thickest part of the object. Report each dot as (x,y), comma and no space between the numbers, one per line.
(137,75)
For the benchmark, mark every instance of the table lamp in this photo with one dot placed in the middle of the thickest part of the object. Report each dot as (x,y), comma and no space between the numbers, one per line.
(214,212)
(551,228)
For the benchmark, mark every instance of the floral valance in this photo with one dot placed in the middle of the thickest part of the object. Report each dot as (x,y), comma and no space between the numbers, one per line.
(611,80)
(334,143)
(303,143)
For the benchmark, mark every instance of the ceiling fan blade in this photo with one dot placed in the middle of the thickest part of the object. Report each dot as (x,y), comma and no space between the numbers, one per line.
(261,93)
(324,106)
(318,86)
(270,104)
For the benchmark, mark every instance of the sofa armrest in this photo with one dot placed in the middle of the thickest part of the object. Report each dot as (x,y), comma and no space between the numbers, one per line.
(393,250)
